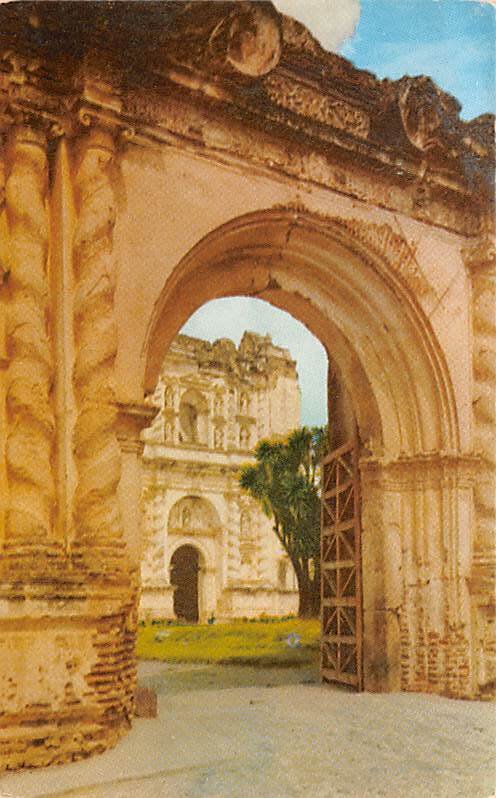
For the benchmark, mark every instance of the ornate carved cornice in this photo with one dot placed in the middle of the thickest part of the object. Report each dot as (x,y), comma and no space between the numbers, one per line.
(24,99)
(309,101)
(263,83)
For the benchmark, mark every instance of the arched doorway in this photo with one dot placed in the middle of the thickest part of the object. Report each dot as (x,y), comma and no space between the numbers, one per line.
(184,575)
(346,286)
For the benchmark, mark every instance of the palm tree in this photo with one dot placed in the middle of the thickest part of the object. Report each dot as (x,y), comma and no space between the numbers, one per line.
(286,482)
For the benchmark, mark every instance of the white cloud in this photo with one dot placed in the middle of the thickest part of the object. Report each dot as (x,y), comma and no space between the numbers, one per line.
(330,21)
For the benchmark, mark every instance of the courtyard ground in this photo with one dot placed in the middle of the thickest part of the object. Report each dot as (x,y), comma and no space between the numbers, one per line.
(241,732)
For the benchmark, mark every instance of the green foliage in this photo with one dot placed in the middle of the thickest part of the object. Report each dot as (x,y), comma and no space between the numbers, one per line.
(286,482)
(262,644)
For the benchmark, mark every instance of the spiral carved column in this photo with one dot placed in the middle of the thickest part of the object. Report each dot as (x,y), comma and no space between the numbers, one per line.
(96,448)
(29,412)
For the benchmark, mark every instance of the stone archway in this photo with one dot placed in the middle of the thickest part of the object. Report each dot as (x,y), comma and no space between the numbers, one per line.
(351,286)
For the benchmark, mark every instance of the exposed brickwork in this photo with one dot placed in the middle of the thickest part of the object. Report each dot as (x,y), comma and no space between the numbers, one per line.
(80,699)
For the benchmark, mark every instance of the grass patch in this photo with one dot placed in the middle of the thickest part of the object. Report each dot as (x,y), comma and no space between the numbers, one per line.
(278,643)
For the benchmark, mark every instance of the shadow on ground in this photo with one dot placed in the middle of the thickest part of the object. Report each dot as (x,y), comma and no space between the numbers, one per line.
(169,679)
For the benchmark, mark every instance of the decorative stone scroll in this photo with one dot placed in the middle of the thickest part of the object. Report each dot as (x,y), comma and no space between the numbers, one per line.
(30,415)
(243,38)
(315,104)
(96,447)
(431,123)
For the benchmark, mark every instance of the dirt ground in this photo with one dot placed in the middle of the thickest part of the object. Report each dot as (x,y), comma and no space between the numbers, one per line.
(245,733)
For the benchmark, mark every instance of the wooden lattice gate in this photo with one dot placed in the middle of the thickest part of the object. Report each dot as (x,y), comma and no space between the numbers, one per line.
(341,644)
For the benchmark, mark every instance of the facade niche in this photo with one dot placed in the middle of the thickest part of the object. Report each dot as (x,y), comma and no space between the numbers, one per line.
(193,418)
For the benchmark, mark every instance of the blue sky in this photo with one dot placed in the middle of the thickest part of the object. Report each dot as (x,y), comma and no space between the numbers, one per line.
(451,40)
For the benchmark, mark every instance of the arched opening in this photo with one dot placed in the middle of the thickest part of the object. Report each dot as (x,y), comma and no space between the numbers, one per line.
(184,576)
(387,374)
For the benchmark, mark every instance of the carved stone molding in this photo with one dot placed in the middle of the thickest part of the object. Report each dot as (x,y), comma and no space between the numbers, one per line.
(432,467)
(314,103)
(30,415)
(384,241)
(132,418)
(96,448)
(24,100)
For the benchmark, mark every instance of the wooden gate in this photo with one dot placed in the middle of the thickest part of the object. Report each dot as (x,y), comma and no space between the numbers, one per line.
(341,583)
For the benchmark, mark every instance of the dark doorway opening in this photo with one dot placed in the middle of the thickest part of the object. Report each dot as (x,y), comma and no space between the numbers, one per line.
(185,566)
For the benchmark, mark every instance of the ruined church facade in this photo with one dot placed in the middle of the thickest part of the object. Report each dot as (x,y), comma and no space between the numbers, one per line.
(216,402)
(225,155)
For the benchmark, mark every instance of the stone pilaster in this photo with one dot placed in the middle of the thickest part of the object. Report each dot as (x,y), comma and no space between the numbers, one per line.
(480,258)
(417,544)
(131,420)
(233,553)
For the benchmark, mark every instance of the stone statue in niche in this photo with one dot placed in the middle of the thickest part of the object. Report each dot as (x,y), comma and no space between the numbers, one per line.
(218,405)
(244,438)
(186,518)
(245,526)
(169,397)
(247,570)
(189,422)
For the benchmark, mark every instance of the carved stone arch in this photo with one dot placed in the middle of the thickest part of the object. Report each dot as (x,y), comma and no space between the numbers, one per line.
(353,283)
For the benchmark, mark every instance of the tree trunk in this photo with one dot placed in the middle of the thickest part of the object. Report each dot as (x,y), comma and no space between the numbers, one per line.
(309,595)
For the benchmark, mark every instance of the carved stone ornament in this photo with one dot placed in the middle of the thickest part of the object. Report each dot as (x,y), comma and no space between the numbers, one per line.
(382,240)
(243,37)
(96,448)
(431,123)
(313,103)
(29,410)
(426,112)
